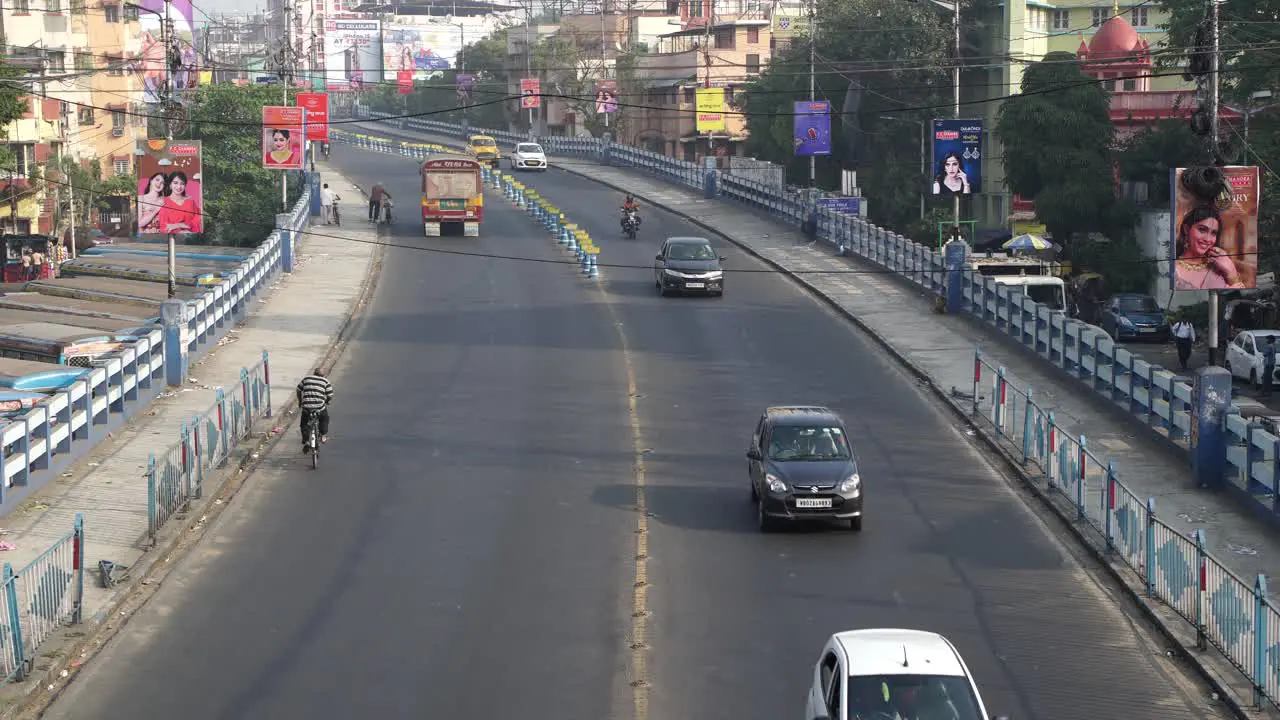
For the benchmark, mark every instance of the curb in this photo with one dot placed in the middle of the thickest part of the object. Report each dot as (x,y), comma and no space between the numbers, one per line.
(73,647)
(1014,466)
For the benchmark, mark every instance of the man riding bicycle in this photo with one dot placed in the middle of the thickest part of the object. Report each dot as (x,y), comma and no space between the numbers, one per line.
(315,392)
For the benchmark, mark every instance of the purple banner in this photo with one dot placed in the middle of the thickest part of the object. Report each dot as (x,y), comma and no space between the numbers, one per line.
(186,76)
(812,128)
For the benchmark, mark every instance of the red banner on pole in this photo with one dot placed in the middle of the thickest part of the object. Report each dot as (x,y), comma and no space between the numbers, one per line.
(317,107)
(406,81)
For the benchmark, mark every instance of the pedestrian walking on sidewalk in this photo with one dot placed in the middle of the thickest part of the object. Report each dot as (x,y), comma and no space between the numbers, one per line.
(375,201)
(326,204)
(1268,364)
(1184,336)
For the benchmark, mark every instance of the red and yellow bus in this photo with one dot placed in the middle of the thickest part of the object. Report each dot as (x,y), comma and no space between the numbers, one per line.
(452,193)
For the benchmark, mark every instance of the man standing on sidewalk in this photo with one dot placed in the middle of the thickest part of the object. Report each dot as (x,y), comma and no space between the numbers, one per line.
(375,201)
(1184,336)
(326,204)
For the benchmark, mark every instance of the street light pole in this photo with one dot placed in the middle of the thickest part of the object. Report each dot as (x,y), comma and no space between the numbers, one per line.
(955,90)
(813,53)
(166,38)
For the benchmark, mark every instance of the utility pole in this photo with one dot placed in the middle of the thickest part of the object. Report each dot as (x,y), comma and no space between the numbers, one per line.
(167,39)
(604,58)
(286,58)
(813,56)
(528,54)
(311,79)
(1215,155)
(708,19)
(955,92)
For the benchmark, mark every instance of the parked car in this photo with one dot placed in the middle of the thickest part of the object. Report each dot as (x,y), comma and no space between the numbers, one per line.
(1135,316)
(1244,356)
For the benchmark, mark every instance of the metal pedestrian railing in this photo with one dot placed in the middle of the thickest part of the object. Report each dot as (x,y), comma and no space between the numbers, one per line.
(39,599)
(176,477)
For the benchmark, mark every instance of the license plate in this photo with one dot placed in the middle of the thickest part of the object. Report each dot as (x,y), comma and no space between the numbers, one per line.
(453,204)
(1147,330)
(813,502)
(695,285)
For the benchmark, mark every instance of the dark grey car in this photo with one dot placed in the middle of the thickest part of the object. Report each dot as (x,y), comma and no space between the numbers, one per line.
(803,467)
(688,264)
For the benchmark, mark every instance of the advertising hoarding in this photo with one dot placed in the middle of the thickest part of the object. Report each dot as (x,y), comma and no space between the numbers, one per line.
(709,106)
(353,54)
(170,190)
(812,128)
(1214,240)
(529,93)
(283,129)
(957,157)
(606,97)
(424,50)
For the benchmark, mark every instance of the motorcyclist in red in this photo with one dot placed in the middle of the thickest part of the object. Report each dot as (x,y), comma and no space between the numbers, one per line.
(630,204)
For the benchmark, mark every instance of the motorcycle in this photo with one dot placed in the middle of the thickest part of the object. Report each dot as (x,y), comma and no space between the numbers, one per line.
(630,224)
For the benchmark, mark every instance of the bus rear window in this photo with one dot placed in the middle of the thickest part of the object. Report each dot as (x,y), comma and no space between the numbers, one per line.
(451,185)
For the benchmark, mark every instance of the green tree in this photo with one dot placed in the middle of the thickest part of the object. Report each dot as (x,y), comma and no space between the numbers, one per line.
(1249,37)
(899,65)
(241,198)
(1057,138)
(1149,155)
(13,103)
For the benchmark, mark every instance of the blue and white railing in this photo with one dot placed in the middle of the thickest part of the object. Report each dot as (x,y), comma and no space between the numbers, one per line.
(48,593)
(1154,396)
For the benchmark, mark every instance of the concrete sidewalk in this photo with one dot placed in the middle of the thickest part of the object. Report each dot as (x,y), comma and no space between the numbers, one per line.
(296,322)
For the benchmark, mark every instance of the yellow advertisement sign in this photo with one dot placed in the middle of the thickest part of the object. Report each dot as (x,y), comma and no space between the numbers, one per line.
(710,109)
(1023,227)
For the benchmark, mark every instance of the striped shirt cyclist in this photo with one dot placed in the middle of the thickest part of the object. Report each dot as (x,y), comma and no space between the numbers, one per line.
(315,392)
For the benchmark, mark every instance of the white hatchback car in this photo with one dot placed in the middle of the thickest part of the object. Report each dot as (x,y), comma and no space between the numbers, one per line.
(890,674)
(528,156)
(1245,356)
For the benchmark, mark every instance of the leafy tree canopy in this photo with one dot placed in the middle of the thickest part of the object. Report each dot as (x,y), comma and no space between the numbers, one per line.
(241,198)
(1249,31)
(900,62)
(13,102)
(1057,139)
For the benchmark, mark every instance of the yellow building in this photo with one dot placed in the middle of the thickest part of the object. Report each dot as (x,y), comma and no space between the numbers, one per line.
(114,120)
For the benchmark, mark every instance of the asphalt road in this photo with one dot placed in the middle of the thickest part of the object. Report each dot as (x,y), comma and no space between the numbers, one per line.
(467,548)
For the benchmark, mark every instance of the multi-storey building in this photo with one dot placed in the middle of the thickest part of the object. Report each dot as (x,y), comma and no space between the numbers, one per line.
(115,119)
(727,56)
(41,37)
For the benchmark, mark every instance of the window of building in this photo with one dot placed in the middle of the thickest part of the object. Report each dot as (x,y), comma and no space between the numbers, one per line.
(1138,17)
(753,35)
(24,156)
(689,95)
(77,7)
(54,61)
(83,60)
(1130,84)
(130,13)
(1037,19)
(724,39)
(22,7)
(111,13)
(53,6)
(1099,15)
(85,115)
(695,9)
(115,64)
(120,166)
(117,122)
(753,64)
(1061,19)
(673,7)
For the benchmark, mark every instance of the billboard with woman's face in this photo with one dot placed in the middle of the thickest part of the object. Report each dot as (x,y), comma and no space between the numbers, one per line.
(1214,241)
(283,129)
(957,157)
(170,199)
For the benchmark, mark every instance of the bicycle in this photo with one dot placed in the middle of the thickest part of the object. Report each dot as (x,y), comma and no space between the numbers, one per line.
(385,211)
(309,421)
(337,220)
